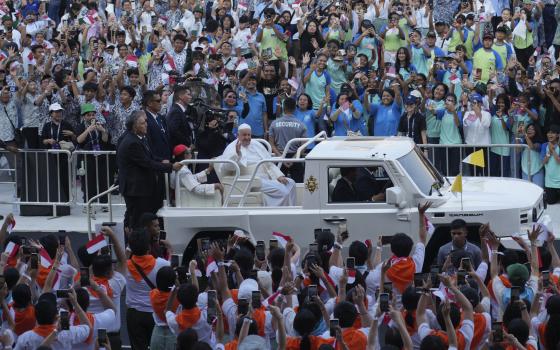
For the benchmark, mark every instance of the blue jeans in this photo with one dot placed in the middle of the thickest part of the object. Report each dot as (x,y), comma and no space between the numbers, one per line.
(537,179)
(54,10)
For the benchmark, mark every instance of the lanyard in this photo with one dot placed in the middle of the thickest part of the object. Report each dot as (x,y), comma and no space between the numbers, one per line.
(57,132)
(409,132)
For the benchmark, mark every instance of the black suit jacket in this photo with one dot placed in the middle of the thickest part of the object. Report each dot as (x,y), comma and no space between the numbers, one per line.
(158,140)
(366,185)
(343,192)
(181,127)
(138,168)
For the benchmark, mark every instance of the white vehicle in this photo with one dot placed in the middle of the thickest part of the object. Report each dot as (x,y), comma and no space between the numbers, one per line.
(511,205)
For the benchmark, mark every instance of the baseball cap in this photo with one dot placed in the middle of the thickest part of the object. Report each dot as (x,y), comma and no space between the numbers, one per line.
(475,97)
(55,107)
(179,149)
(86,108)
(246,288)
(527,2)
(198,9)
(488,35)
(409,100)
(517,274)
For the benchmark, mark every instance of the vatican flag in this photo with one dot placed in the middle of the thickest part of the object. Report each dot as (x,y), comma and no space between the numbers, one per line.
(476,158)
(457,184)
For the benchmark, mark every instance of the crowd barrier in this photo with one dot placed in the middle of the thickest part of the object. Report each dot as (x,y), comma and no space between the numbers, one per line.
(84,178)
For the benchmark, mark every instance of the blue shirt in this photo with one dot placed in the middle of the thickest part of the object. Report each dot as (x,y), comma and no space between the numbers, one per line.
(346,120)
(386,119)
(257,105)
(308,118)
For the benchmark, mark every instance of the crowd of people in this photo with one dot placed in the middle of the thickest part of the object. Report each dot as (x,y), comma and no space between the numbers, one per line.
(337,293)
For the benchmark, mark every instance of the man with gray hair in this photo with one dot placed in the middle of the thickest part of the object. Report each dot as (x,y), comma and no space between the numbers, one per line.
(277,189)
(138,169)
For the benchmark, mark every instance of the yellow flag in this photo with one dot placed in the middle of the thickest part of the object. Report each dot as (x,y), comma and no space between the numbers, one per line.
(476,158)
(457,184)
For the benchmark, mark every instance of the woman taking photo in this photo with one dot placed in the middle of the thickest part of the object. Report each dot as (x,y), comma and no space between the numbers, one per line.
(531,165)
(500,134)
(346,116)
(450,134)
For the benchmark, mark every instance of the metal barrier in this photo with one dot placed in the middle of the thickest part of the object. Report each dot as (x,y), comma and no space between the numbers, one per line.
(448,159)
(88,206)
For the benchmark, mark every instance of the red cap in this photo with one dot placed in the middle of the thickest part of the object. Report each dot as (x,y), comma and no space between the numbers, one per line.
(179,149)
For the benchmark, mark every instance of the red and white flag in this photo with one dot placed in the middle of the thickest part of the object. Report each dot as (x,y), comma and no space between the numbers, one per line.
(169,63)
(242,6)
(351,275)
(11,249)
(271,299)
(96,244)
(211,266)
(46,260)
(132,61)
(282,238)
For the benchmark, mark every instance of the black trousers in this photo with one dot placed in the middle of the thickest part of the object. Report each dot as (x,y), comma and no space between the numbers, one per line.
(140,326)
(135,207)
(115,340)
(552,195)
(32,138)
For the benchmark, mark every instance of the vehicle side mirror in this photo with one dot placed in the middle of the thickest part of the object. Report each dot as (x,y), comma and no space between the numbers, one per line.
(395,196)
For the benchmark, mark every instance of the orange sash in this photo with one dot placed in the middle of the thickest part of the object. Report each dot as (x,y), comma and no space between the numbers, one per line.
(42,275)
(24,320)
(102,281)
(235,295)
(259,315)
(159,302)
(187,318)
(44,330)
(354,339)
(504,280)
(542,334)
(479,329)
(232,345)
(402,273)
(461,343)
(91,319)
(145,262)
(293,343)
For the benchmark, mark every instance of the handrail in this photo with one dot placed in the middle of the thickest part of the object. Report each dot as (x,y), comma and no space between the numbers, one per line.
(286,160)
(320,136)
(88,206)
(208,161)
(299,139)
(266,144)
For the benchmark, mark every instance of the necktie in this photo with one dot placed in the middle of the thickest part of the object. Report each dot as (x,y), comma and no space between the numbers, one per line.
(160,123)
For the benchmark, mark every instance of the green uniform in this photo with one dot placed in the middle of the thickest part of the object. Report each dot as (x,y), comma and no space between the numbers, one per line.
(499,136)
(449,131)
(552,170)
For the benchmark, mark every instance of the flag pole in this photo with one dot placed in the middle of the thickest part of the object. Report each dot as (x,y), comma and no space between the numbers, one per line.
(461,173)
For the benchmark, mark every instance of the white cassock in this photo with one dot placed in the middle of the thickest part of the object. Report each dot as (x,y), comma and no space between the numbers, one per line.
(275,193)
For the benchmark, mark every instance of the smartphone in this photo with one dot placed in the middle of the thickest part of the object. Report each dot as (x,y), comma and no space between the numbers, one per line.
(419,280)
(205,244)
(434,271)
(174,261)
(388,287)
(84,276)
(350,263)
(461,277)
(211,311)
(34,261)
(101,337)
(242,306)
(182,274)
(531,72)
(162,235)
(333,324)
(62,293)
(497,332)
(256,299)
(64,320)
(515,291)
(546,279)
(312,291)
(272,244)
(466,263)
(314,249)
(260,250)
(384,302)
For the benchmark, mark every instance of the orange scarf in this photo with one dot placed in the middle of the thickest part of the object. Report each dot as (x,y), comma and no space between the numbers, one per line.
(159,299)
(461,343)
(402,273)
(145,262)
(44,330)
(504,280)
(24,319)
(411,329)
(232,345)
(358,322)
(293,343)
(91,319)
(187,318)
(42,275)
(235,295)
(479,329)
(259,315)
(102,281)
(354,339)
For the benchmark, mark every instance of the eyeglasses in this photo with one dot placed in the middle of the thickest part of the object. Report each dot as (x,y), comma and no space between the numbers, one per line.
(450,100)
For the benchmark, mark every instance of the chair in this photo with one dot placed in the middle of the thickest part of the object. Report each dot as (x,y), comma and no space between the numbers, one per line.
(254,196)
(187,199)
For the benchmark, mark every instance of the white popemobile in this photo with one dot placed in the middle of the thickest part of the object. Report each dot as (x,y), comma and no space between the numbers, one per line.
(400,169)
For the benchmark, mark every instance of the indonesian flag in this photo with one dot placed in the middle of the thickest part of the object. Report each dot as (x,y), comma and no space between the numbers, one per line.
(351,275)
(89,18)
(11,249)
(211,266)
(46,260)
(271,299)
(169,63)
(430,228)
(11,225)
(31,58)
(296,4)
(96,244)
(3,56)
(242,65)
(282,238)
(132,61)
(242,6)
(368,243)
(329,280)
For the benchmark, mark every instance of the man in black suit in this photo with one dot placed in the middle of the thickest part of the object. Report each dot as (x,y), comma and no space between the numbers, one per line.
(181,125)
(367,186)
(344,190)
(158,132)
(138,169)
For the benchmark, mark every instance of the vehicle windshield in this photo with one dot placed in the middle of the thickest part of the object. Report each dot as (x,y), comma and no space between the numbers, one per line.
(421,171)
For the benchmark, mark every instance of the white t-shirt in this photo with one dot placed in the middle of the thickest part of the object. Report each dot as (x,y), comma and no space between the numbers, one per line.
(117,284)
(138,292)
(477,130)
(65,340)
(102,320)
(202,328)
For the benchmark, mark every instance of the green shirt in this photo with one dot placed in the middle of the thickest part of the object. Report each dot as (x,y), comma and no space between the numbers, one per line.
(536,164)
(337,71)
(449,131)
(486,61)
(433,125)
(552,170)
(499,136)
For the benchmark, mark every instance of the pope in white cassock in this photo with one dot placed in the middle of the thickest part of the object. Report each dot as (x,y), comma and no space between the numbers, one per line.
(277,189)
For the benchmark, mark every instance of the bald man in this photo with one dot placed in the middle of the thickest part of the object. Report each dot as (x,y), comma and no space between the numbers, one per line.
(277,189)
